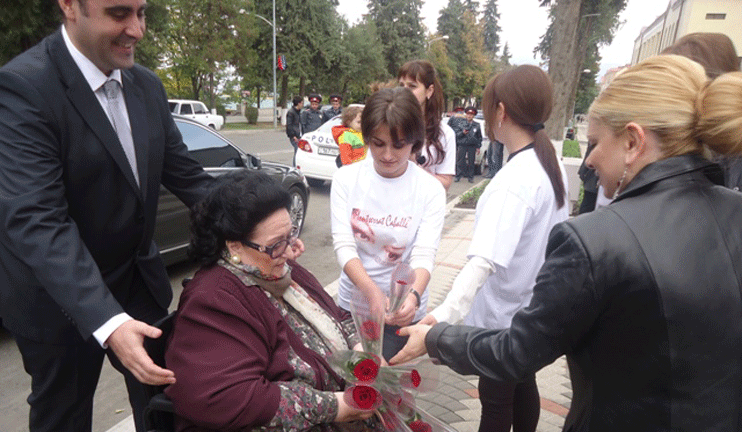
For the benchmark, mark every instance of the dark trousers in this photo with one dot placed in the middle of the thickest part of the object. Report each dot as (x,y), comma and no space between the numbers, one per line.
(465,161)
(506,404)
(64,375)
(494,158)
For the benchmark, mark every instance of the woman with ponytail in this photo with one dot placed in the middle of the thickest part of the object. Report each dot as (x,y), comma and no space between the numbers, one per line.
(519,207)
(643,295)
(438,155)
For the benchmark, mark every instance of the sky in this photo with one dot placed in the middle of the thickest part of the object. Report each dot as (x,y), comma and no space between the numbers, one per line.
(523,23)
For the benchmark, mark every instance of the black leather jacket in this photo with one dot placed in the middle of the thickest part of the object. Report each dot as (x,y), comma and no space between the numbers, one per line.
(643,296)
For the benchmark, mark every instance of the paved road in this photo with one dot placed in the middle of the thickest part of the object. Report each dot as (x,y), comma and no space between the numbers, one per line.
(111,405)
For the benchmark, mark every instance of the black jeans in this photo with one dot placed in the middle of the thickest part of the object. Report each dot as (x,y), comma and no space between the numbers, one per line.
(295,145)
(506,403)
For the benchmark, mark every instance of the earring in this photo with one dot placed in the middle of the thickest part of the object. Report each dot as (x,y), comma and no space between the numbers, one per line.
(235,259)
(620,183)
(499,124)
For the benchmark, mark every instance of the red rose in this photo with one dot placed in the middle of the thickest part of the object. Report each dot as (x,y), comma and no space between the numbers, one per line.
(364,397)
(366,370)
(420,426)
(370,330)
(415,378)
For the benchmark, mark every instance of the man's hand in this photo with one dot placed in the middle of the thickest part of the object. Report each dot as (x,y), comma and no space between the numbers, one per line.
(127,342)
(415,346)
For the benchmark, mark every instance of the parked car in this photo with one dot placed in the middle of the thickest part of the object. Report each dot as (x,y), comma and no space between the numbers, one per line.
(218,156)
(196,110)
(317,153)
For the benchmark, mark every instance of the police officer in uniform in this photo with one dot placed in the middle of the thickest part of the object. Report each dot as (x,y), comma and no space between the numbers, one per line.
(335,109)
(311,118)
(468,140)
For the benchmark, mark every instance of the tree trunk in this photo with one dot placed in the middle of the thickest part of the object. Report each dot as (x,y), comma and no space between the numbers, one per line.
(564,63)
(302,85)
(284,90)
(258,96)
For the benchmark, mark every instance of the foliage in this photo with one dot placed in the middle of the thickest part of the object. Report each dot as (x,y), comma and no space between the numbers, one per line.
(466,53)
(571,148)
(587,86)
(491,28)
(400,30)
(469,198)
(361,63)
(200,39)
(24,23)
(505,57)
(251,113)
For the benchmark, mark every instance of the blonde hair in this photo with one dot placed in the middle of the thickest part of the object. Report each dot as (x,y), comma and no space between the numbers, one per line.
(671,96)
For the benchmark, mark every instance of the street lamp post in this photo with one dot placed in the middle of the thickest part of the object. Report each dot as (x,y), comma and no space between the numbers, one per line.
(273,26)
(444,37)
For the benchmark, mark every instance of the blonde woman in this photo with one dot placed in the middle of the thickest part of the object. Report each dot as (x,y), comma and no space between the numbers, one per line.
(643,296)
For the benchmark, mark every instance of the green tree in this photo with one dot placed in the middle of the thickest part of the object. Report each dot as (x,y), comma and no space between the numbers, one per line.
(575,26)
(400,30)
(587,87)
(491,27)
(466,51)
(24,23)
(200,39)
(506,56)
(360,63)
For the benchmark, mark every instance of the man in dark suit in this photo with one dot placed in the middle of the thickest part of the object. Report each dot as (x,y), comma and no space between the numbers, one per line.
(80,172)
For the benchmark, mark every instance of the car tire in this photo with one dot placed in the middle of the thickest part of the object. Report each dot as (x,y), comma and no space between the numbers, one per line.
(298,209)
(313,182)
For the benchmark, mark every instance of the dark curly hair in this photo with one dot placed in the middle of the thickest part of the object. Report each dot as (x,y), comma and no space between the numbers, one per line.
(231,211)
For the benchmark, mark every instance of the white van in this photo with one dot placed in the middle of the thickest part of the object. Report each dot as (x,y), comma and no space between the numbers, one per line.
(197,111)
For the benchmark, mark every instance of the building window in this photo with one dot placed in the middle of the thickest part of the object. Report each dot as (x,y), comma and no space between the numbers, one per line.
(716,16)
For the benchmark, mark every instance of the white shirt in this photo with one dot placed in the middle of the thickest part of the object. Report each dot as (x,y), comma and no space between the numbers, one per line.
(96,78)
(514,216)
(384,221)
(448,142)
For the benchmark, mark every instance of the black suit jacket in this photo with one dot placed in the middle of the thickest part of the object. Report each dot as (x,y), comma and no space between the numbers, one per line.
(76,227)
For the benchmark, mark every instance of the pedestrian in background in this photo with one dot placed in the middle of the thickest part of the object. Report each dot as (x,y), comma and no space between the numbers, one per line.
(335,108)
(643,295)
(514,216)
(716,53)
(293,124)
(438,155)
(468,142)
(495,153)
(311,118)
(387,210)
(86,142)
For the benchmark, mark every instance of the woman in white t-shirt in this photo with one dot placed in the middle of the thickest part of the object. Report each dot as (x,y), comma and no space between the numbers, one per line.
(386,210)
(438,156)
(514,216)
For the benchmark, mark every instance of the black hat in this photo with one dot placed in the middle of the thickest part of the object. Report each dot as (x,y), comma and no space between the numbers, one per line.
(471,109)
(314,97)
(335,96)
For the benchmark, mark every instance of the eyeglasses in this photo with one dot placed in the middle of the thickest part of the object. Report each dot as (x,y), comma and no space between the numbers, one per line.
(278,248)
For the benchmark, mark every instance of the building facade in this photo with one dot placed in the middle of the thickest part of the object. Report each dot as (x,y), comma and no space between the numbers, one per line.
(689,16)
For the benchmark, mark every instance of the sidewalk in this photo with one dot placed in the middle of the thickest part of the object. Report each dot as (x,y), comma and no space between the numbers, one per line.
(456,400)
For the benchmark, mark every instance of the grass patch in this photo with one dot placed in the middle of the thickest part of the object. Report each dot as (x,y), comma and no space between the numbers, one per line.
(571,148)
(469,198)
(246,126)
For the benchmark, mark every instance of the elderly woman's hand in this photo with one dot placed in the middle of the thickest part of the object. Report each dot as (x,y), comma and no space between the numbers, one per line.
(415,346)
(297,248)
(347,413)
